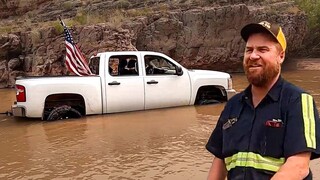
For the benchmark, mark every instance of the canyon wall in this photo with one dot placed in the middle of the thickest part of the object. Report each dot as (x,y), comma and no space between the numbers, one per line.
(204,37)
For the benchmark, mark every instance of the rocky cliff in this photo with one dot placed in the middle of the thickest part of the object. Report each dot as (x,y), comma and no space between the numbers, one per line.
(198,34)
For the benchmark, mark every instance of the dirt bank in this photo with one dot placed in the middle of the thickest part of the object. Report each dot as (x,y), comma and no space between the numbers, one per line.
(302,64)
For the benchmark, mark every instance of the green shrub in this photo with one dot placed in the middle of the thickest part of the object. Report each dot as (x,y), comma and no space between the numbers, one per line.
(5,29)
(57,26)
(81,18)
(312,8)
(67,5)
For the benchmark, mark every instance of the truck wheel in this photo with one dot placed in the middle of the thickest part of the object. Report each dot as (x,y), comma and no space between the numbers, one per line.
(63,112)
(210,101)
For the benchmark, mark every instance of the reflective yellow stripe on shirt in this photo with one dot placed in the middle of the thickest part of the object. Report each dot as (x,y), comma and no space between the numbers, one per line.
(250,159)
(308,120)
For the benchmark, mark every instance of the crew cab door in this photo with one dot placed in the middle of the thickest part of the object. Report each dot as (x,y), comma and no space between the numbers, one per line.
(163,87)
(124,86)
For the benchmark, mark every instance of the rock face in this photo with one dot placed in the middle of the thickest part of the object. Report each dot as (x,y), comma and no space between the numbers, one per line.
(206,37)
(209,37)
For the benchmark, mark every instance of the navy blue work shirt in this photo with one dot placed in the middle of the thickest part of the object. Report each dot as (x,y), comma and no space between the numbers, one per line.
(255,142)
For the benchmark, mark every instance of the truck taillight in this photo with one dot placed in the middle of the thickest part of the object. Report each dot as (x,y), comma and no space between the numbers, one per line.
(20,93)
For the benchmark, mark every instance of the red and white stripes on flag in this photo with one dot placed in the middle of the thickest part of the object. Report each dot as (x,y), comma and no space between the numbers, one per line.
(75,60)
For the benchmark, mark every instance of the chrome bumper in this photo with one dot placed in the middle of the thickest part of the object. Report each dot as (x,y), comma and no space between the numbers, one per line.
(18,111)
(230,93)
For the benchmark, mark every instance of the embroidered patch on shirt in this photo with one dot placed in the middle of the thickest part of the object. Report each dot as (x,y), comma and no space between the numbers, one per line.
(229,123)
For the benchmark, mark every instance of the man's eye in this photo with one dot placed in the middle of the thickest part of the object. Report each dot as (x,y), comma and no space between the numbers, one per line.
(264,50)
(248,50)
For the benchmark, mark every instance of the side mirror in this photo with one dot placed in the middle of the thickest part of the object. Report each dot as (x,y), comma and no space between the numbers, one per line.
(179,71)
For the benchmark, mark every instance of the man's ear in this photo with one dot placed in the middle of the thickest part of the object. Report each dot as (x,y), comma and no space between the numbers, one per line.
(282,56)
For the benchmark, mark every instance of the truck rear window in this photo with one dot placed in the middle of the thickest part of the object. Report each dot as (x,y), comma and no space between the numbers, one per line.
(94,65)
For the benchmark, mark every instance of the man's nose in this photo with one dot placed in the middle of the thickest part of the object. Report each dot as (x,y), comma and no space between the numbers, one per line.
(254,55)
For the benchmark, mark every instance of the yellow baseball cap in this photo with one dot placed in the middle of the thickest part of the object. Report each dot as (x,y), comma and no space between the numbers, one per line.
(264,26)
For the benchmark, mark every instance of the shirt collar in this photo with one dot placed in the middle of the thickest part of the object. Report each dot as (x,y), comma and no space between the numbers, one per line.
(274,92)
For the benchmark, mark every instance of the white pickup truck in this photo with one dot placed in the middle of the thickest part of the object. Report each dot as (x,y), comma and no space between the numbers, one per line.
(124,81)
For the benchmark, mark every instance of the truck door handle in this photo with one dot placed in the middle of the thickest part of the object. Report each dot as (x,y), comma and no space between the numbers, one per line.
(152,82)
(113,83)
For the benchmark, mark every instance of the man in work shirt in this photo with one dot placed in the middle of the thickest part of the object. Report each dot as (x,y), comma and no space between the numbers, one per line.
(271,130)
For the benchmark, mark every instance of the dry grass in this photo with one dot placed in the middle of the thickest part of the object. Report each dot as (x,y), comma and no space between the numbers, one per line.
(293,10)
(116,19)
(5,29)
(24,3)
(122,4)
(35,37)
(139,12)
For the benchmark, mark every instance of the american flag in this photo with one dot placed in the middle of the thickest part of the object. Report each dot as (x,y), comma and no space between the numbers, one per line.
(75,60)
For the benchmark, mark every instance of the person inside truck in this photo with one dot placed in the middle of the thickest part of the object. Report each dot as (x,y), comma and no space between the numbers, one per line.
(110,70)
(122,67)
(149,65)
(131,67)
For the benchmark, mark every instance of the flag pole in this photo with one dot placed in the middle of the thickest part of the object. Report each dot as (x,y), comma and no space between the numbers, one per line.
(61,22)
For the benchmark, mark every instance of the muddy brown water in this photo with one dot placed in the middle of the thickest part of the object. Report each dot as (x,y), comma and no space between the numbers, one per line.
(156,144)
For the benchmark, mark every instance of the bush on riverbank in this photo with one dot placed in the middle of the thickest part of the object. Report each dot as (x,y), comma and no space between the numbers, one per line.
(312,42)
(311,7)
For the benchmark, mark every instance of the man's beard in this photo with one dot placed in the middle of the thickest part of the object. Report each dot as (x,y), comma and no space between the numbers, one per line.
(268,73)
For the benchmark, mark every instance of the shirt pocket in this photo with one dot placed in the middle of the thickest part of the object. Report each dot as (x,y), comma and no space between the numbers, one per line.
(273,141)
(233,138)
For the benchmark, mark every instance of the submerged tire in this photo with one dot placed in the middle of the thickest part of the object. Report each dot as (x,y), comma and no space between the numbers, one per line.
(63,112)
(206,102)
